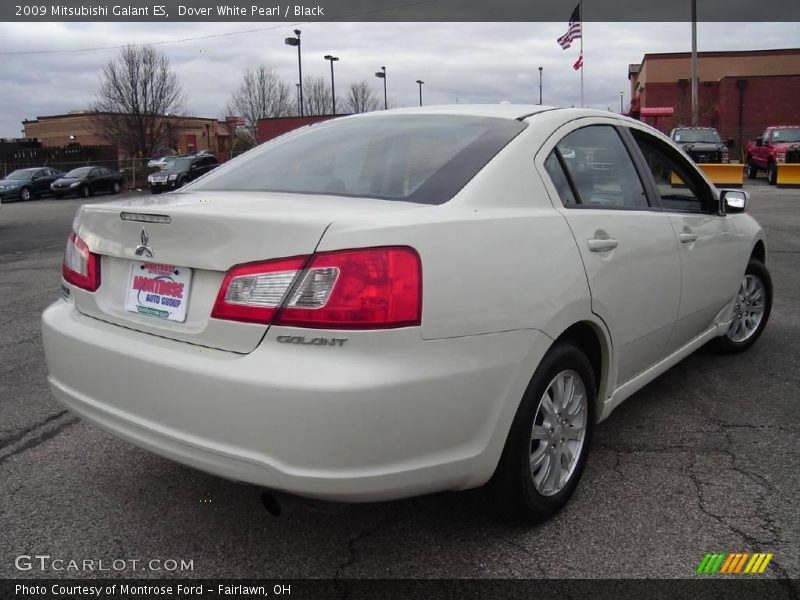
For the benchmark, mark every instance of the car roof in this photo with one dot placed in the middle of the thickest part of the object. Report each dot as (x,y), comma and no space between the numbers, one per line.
(503,111)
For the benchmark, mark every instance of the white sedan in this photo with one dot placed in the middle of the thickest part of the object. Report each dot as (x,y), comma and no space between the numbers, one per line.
(405,302)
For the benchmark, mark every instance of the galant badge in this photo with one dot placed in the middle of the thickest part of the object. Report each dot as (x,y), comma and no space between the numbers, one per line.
(143,249)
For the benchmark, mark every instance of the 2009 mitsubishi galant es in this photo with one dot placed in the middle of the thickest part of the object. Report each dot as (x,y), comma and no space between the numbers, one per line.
(403,302)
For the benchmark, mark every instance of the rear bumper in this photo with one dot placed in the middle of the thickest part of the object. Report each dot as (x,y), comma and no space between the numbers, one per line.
(387,415)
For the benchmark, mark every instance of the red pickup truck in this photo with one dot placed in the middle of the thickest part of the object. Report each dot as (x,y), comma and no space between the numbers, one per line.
(768,151)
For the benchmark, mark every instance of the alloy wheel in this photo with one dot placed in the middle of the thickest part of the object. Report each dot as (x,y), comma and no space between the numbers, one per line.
(748,309)
(558,433)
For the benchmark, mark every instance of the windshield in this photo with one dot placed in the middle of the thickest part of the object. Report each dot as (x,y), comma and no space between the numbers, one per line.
(697,135)
(177,164)
(416,158)
(22,174)
(81,172)
(785,136)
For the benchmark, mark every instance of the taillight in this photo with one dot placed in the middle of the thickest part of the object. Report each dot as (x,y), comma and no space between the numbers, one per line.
(369,288)
(254,292)
(81,268)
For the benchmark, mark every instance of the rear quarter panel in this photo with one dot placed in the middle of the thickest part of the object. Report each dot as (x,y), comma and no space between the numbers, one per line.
(497,257)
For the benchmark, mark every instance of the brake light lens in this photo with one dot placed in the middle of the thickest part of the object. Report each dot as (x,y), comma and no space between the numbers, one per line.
(254,292)
(81,268)
(368,288)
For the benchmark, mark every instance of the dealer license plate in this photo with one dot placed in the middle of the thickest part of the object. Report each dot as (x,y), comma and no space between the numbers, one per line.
(160,291)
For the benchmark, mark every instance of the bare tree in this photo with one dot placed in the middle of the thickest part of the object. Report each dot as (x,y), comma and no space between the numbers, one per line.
(138,90)
(317,96)
(262,94)
(360,98)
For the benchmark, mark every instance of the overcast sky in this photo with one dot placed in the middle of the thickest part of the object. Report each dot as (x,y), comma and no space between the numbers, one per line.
(464,62)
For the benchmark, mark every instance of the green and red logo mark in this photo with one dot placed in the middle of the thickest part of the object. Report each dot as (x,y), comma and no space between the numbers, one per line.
(734,563)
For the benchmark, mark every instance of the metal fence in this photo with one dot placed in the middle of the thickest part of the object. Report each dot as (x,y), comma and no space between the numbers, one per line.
(134,171)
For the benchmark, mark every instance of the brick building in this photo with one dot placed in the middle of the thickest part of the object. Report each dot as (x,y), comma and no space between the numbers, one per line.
(268,129)
(190,133)
(739,92)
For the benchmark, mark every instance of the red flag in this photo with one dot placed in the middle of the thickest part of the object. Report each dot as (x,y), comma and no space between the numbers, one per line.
(578,63)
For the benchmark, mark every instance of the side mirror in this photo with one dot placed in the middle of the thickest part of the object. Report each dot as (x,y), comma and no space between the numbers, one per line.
(734,201)
(731,143)
(759,142)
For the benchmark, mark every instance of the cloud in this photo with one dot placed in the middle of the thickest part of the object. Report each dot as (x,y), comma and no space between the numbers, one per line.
(464,62)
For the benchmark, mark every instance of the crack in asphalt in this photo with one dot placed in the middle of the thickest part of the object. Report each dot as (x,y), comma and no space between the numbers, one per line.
(40,438)
(339,583)
(26,340)
(21,434)
(766,521)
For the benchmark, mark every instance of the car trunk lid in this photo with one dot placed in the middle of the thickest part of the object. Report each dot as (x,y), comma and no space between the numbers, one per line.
(187,242)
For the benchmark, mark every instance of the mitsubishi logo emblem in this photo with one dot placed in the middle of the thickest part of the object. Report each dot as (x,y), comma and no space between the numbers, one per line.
(143,249)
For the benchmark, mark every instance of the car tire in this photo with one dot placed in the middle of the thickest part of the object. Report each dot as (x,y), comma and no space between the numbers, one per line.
(85,192)
(772,173)
(116,188)
(752,171)
(751,310)
(532,481)
(25,194)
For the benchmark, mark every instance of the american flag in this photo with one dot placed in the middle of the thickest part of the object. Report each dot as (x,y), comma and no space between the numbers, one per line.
(574,31)
(578,63)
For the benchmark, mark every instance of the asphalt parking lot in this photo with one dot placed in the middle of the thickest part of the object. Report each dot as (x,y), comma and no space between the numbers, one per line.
(706,458)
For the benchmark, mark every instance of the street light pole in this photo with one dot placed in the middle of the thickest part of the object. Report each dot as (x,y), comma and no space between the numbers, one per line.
(295,41)
(420,82)
(382,75)
(621,110)
(333,59)
(540,85)
(695,107)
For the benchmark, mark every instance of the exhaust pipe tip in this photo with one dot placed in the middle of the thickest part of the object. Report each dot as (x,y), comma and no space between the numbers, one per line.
(271,503)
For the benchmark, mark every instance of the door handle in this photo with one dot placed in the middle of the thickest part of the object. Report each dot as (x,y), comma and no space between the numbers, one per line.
(687,238)
(602,245)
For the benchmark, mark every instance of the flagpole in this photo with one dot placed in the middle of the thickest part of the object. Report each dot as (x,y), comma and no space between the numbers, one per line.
(582,57)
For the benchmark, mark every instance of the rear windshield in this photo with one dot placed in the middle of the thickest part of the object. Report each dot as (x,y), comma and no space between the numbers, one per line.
(21,174)
(415,158)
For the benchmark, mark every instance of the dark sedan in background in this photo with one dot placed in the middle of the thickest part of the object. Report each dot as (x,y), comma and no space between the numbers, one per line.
(85,181)
(180,170)
(26,184)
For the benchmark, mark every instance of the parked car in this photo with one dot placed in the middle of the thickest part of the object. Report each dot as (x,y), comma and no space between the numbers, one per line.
(769,150)
(86,181)
(180,170)
(405,302)
(702,144)
(160,156)
(26,184)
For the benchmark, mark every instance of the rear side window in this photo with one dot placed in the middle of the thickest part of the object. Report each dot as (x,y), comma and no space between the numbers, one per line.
(600,169)
(415,158)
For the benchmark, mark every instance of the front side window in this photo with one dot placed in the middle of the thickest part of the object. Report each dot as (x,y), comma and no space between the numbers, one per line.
(600,170)
(678,184)
(414,158)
